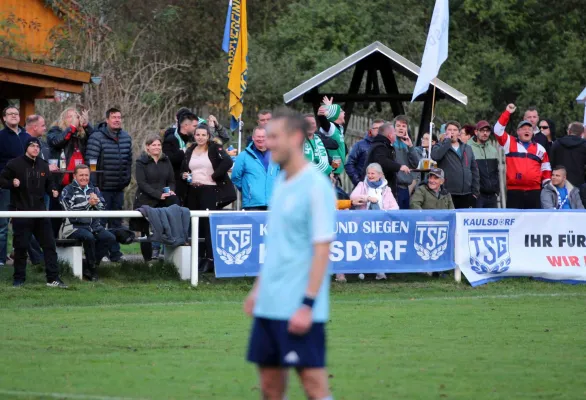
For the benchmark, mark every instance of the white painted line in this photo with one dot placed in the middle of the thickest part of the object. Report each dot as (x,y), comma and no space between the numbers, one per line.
(63,395)
(357,301)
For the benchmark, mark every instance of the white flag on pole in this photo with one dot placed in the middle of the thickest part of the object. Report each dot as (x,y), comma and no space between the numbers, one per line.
(436,48)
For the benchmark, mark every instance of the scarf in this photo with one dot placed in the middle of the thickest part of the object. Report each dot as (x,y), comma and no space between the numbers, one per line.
(562,203)
(316,153)
(182,145)
(375,189)
(374,185)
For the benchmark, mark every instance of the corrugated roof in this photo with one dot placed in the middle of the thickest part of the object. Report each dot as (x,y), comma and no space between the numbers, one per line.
(400,63)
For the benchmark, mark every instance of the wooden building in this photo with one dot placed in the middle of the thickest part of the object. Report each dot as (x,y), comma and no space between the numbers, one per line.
(30,29)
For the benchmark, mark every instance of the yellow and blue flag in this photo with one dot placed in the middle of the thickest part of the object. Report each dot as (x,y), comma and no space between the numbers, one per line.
(235,43)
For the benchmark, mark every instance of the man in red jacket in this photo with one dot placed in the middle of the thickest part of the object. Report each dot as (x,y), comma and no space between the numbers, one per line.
(528,167)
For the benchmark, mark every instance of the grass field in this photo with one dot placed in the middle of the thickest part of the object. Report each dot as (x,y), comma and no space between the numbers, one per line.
(141,333)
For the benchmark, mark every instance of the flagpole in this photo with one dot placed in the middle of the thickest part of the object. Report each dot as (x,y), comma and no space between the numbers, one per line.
(432,118)
(238,194)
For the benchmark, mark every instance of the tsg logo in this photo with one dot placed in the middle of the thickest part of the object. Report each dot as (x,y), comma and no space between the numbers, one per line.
(234,243)
(489,251)
(431,239)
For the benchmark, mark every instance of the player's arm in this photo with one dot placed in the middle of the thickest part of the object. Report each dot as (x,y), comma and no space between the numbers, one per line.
(251,298)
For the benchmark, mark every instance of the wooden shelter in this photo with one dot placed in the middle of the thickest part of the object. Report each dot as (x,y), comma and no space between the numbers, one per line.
(372,61)
(28,82)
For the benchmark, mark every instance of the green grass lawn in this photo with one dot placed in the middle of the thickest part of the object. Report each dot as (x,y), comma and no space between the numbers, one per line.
(141,333)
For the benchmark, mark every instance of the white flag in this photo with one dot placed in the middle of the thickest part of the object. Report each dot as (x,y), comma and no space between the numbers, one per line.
(436,48)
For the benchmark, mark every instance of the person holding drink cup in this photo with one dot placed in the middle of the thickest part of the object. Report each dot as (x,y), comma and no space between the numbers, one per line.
(156,184)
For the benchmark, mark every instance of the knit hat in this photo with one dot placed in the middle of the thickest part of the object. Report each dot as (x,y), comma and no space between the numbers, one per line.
(333,112)
(32,140)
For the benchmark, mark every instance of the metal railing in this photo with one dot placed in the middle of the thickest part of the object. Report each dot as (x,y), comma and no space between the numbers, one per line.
(195,216)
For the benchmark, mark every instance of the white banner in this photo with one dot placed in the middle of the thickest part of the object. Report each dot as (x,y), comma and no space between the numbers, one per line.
(544,244)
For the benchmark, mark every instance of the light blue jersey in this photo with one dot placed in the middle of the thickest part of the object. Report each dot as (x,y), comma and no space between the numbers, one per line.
(302,213)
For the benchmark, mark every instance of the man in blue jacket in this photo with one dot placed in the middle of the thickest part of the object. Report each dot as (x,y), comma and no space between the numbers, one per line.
(112,147)
(254,173)
(13,141)
(355,165)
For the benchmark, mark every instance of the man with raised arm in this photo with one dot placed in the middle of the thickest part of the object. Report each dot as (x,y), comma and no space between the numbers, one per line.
(528,167)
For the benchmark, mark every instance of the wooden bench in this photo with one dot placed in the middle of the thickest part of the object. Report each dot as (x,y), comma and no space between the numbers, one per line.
(71,251)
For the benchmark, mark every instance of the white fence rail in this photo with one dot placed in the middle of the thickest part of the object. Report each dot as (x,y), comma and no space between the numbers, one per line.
(195,216)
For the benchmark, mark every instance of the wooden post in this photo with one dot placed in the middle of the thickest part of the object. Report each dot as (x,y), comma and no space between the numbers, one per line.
(27,107)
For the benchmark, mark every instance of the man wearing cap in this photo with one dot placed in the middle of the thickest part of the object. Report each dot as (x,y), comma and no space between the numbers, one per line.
(488,165)
(331,120)
(528,167)
(459,164)
(28,179)
(431,195)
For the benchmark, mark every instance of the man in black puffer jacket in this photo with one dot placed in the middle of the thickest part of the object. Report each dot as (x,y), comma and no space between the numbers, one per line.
(570,152)
(111,146)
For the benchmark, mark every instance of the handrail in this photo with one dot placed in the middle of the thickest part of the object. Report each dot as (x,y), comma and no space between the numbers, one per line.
(195,216)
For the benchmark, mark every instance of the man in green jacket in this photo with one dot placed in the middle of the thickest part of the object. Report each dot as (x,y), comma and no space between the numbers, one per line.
(486,156)
(431,195)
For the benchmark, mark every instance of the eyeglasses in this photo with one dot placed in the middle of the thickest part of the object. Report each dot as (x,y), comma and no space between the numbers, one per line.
(15,114)
(544,127)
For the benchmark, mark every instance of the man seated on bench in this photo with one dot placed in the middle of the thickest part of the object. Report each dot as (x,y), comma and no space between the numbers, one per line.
(81,195)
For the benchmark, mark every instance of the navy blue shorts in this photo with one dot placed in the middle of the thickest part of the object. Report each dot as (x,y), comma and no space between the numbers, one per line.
(271,345)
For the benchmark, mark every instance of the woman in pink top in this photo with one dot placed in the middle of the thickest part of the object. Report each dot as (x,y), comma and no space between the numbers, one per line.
(374,194)
(206,165)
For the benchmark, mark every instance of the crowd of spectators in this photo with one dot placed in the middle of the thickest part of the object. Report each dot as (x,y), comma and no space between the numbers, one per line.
(77,166)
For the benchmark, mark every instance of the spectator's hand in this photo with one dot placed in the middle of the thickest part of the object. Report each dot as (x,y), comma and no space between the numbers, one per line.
(511,108)
(172,193)
(93,200)
(407,140)
(301,321)
(85,118)
(165,195)
(15,183)
(184,176)
(328,102)
(373,200)
(405,169)
(213,122)
(53,167)
(322,111)
(249,303)
(358,202)
(55,193)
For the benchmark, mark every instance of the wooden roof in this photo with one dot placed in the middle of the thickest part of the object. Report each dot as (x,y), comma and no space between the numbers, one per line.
(38,79)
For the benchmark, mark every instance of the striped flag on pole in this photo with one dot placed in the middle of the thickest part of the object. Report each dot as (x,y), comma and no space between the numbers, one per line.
(235,43)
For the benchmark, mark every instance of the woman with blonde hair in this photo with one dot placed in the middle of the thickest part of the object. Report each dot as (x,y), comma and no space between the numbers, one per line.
(69,135)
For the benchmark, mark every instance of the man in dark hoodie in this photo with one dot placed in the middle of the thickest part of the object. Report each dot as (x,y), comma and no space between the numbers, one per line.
(382,152)
(570,152)
(13,139)
(175,144)
(459,164)
(112,147)
(28,178)
(355,164)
